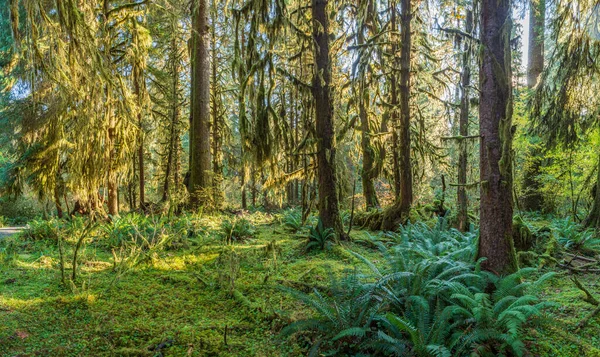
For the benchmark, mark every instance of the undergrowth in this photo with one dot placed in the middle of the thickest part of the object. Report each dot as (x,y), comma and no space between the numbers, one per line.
(154,285)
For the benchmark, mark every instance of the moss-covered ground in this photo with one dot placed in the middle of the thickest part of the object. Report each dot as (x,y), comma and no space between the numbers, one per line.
(206,298)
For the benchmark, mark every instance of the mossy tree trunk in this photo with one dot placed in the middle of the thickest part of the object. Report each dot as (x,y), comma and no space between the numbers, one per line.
(463,124)
(533,199)
(399,211)
(369,172)
(200,164)
(326,150)
(495,121)
(394,103)
(593,218)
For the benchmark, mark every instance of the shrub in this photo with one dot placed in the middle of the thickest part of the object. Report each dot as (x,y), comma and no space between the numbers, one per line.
(42,230)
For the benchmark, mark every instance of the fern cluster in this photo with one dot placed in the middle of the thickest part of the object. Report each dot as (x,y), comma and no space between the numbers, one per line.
(430,298)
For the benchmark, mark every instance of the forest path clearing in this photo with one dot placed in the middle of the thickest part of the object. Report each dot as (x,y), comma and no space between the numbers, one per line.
(9,231)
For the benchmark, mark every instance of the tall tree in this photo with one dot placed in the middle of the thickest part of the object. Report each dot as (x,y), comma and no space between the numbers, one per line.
(533,198)
(326,149)
(369,171)
(495,121)
(465,82)
(400,210)
(200,182)
(565,108)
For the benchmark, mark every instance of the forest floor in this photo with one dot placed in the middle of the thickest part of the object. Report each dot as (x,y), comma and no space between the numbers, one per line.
(207,298)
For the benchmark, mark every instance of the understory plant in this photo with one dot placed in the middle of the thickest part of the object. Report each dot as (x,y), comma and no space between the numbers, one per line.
(237,230)
(429,298)
(292,220)
(319,237)
(574,238)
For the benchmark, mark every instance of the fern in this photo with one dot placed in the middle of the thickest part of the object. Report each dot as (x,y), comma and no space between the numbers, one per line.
(320,237)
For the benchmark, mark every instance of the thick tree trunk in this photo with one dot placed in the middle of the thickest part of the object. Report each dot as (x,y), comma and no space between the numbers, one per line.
(368,173)
(495,121)
(398,213)
(200,164)
(462,197)
(533,199)
(326,150)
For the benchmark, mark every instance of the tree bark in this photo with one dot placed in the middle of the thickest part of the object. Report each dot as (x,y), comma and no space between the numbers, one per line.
(398,213)
(137,78)
(533,199)
(200,164)
(326,150)
(217,167)
(394,104)
(368,168)
(173,154)
(593,218)
(462,197)
(495,121)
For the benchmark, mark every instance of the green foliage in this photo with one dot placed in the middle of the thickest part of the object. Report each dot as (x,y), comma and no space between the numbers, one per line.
(237,230)
(292,220)
(574,238)
(44,230)
(20,210)
(428,299)
(344,316)
(320,237)
(440,240)
(146,231)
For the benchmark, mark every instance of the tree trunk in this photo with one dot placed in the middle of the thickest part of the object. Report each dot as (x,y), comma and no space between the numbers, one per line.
(113,186)
(172,154)
(593,218)
(326,150)
(200,164)
(533,199)
(398,213)
(368,170)
(394,110)
(495,121)
(137,78)
(217,168)
(59,210)
(462,197)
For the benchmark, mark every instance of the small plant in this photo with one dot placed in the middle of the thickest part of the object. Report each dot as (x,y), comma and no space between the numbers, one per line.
(344,316)
(237,230)
(292,220)
(320,237)
(3,221)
